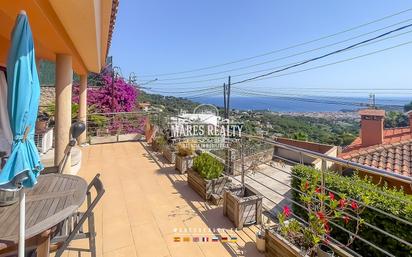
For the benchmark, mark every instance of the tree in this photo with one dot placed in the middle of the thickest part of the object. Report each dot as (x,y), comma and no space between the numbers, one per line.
(408,107)
(300,136)
(395,119)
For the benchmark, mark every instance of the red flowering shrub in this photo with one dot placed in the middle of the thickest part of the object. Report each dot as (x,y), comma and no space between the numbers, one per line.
(322,208)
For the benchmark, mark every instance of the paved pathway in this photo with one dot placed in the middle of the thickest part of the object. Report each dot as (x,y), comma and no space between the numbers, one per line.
(145,206)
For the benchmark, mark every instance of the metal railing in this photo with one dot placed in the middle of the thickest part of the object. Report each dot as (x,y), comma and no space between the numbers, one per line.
(345,163)
(267,185)
(114,124)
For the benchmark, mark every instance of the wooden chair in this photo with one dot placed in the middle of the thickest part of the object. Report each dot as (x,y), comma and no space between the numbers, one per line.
(72,227)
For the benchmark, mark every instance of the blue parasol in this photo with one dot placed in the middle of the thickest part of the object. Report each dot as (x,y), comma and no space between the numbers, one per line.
(23,165)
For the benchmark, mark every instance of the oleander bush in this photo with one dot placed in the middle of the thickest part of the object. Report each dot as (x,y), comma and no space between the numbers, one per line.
(207,166)
(380,198)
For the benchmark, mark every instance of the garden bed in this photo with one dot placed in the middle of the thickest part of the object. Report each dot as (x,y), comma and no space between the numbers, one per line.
(391,201)
(169,154)
(277,246)
(206,187)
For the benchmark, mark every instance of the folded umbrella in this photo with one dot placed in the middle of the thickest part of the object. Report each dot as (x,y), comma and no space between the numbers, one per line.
(23,165)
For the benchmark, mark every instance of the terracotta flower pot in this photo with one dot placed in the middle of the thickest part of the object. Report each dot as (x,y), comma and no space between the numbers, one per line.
(41,125)
(324,251)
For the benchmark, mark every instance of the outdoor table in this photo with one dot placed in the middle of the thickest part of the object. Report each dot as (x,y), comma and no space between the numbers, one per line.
(54,198)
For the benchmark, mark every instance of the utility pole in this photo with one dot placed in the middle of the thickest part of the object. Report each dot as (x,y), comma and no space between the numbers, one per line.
(224,100)
(372,101)
(113,78)
(228,98)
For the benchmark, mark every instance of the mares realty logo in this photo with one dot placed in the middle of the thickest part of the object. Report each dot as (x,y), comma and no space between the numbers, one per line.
(205,127)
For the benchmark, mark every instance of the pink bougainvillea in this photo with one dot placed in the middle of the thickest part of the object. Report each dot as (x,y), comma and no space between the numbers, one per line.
(107,97)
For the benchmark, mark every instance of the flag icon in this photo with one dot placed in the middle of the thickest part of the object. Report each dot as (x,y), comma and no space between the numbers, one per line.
(195,239)
(176,239)
(205,239)
(215,239)
(186,239)
(233,239)
(223,239)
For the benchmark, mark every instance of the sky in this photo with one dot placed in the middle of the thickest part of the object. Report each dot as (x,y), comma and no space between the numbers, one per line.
(162,36)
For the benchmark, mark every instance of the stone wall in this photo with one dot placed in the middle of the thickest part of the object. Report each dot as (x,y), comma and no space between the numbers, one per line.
(47,95)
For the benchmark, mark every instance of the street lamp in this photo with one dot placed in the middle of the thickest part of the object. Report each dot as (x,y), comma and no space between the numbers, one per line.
(147,82)
(114,76)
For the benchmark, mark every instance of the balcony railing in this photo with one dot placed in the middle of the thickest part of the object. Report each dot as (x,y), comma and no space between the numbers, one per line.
(388,235)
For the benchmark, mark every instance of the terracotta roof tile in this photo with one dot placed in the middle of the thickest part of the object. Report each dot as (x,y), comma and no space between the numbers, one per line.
(372,112)
(390,136)
(393,157)
(113,15)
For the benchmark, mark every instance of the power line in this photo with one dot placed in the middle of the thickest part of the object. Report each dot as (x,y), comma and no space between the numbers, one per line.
(186,94)
(325,55)
(306,95)
(307,99)
(187,91)
(326,65)
(285,65)
(282,49)
(288,56)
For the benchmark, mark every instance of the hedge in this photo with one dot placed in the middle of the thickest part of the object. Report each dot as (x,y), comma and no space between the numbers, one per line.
(389,200)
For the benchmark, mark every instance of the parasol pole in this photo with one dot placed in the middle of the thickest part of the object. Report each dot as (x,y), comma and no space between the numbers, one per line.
(22,221)
(22,205)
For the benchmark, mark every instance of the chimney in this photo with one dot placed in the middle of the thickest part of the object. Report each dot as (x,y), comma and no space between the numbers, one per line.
(410,120)
(372,126)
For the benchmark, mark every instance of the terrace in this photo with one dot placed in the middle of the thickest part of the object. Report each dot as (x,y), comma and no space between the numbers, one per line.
(147,202)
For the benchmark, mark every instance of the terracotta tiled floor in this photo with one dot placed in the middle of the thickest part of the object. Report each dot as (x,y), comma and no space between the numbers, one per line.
(146,205)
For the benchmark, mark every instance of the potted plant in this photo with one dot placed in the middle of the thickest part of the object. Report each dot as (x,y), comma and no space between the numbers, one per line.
(185,153)
(241,204)
(206,177)
(42,122)
(260,236)
(169,152)
(322,207)
(158,143)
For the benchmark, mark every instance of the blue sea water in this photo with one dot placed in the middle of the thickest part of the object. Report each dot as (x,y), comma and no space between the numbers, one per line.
(323,104)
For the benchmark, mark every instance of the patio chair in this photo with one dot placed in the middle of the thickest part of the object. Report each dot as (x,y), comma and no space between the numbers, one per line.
(72,227)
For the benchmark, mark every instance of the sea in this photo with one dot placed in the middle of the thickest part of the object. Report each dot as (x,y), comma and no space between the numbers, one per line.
(320,104)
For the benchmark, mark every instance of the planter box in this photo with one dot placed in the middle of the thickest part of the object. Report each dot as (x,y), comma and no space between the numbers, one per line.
(242,208)
(156,147)
(129,137)
(183,163)
(277,246)
(103,139)
(169,154)
(205,188)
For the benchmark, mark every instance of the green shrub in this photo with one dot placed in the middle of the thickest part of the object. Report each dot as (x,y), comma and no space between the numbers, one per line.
(389,200)
(160,140)
(98,120)
(186,148)
(207,166)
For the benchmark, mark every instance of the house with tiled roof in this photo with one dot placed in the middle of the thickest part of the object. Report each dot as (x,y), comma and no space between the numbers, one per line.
(386,149)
